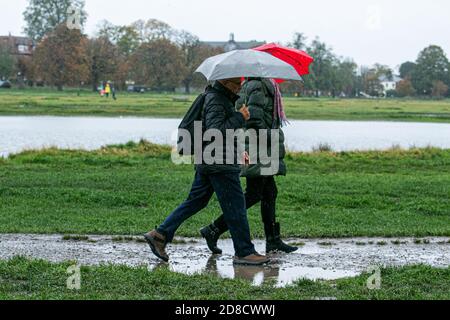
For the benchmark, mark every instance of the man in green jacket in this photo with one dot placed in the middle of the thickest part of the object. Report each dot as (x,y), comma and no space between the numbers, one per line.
(260,95)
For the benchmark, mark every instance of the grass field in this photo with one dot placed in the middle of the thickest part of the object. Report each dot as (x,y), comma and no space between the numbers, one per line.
(68,103)
(129,189)
(36,280)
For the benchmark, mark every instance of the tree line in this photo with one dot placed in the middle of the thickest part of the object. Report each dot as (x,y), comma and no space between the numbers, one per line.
(428,76)
(153,54)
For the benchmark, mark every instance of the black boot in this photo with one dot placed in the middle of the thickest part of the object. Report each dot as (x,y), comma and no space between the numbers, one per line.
(273,240)
(212,234)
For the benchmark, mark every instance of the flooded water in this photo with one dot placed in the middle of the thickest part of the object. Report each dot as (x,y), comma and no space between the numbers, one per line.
(19,133)
(326,259)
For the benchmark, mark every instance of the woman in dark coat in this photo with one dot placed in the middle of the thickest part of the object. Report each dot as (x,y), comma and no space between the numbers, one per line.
(262,96)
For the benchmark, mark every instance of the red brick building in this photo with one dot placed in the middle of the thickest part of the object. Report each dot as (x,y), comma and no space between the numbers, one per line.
(18,46)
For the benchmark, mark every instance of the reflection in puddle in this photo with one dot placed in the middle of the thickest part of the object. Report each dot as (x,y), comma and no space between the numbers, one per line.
(273,273)
(276,272)
(326,259)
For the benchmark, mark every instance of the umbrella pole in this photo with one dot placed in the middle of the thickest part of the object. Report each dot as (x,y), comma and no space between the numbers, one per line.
(246,94)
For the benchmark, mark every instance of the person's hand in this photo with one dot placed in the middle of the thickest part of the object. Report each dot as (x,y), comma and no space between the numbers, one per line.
(245,158)
(245,112)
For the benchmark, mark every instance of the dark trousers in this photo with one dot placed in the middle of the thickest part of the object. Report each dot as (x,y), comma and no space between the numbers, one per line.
(227,187)
(259,189)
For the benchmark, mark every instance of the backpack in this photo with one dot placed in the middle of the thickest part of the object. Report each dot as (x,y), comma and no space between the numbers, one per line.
(186,148)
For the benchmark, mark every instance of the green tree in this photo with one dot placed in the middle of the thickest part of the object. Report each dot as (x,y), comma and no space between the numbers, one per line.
(323,70)
(42,16)
(299,42)
(158,64)
(383,71)
(407,69)
(106,30)
(6,62)
(126,38)
(103,60)
(432,65)
(346,79)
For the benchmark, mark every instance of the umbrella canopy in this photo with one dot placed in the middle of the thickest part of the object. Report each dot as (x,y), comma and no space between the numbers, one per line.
(246,64)
(300,60)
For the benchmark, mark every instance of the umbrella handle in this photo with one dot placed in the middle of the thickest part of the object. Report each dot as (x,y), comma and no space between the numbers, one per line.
(246,94)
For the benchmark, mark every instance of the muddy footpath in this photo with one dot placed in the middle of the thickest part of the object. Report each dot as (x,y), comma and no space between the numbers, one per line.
(326,259)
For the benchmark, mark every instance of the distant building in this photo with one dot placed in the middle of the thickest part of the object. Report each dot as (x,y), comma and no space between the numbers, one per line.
(389,84)
(231,44)
(18,46)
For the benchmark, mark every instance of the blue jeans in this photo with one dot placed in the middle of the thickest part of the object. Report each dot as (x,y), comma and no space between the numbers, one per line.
(227,187)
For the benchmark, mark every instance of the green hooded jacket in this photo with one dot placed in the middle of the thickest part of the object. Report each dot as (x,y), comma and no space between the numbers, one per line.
(259,96)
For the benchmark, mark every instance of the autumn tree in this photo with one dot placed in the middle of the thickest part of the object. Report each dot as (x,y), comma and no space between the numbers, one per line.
(158,64)
(42,16)
(60,59)
(440,89)
(405,88)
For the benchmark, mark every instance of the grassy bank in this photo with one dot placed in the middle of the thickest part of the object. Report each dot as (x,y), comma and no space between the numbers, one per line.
(68,103)
(24,279)
(129,189)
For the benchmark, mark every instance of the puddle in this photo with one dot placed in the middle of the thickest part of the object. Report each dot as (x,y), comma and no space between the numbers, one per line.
(326,259)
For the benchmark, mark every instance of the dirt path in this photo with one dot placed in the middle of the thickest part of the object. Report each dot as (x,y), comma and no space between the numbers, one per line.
(316,259)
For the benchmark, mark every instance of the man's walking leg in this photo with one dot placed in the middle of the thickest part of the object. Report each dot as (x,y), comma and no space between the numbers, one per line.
(198,199)
(212,233)
(229,192)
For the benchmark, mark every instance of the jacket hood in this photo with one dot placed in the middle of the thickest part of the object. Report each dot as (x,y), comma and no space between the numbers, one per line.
(223,90)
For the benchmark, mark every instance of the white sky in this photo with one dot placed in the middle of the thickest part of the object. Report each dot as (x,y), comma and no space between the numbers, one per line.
(384,31)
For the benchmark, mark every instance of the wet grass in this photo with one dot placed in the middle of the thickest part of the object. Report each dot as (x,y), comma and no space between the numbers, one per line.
(69,237)
(34,280)
(128,189)
(398,242)
(326,244)
(68,103)
(297,244)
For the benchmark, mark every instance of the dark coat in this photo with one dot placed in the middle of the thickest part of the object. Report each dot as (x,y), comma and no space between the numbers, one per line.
(259,96)
(219,113)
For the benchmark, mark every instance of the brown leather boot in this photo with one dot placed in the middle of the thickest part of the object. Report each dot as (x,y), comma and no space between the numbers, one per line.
(157,243)
(252,260)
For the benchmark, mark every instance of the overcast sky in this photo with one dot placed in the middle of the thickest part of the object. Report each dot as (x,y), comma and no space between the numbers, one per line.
(384,31)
